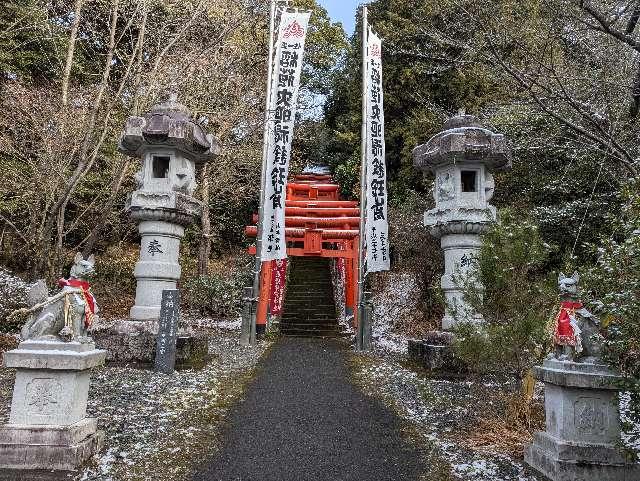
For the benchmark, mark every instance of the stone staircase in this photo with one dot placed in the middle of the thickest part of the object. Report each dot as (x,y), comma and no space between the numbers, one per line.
(309,306)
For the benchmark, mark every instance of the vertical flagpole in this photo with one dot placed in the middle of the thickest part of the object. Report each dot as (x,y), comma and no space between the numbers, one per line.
(363,190)
(265,152)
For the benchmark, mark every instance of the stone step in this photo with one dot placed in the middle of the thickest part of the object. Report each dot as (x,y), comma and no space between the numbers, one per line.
(315,301)
(316,319)
(303,296)
(322,287)
(333,324)
(309,306)
(297,313)
(309,313)
(310,333)
(311,325)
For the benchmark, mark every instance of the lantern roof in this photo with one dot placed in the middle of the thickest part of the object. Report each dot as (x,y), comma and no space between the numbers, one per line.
(463,139)
(168,124)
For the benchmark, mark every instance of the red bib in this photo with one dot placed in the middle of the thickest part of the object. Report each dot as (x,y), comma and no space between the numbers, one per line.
(89,300)
(564,334)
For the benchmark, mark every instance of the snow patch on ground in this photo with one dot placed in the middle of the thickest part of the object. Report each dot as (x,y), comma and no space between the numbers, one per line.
(436,408)
(206,323)
(160,426)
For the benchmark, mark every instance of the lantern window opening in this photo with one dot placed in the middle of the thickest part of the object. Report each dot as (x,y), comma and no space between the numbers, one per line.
(160,166)
(469,180)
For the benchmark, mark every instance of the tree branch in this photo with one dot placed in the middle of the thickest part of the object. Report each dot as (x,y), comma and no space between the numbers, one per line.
(606,25)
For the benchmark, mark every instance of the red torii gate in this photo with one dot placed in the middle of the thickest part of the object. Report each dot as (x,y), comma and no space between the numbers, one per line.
(317,224)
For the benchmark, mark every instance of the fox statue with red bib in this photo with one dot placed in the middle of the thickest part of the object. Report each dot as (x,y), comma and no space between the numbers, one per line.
(576,333)
(67,315)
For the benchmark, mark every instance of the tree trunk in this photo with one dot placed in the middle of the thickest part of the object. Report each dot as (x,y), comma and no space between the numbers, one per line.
(83,163)
(77,8)
(87,250)
(58,262)
(205,241)
(635,95)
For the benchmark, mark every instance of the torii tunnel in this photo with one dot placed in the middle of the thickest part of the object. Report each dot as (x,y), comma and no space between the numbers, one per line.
(317,224)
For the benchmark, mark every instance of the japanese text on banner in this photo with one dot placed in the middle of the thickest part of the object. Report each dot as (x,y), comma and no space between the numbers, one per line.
(284,96)
(376,225)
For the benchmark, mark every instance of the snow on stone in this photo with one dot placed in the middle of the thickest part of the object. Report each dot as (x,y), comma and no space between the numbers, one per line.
(317,170)
(630,438)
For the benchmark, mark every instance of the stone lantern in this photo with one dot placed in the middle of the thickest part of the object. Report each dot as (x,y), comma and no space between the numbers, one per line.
(171,145)
(463,158)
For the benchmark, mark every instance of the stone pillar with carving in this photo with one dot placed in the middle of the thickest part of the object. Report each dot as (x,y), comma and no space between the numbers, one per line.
(463,158)
(582,436)
(170,145)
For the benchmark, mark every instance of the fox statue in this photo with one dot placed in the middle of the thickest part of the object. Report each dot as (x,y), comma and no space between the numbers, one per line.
(576,333)
(67,315)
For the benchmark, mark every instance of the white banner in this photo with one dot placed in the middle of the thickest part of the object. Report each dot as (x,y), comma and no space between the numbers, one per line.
(284,96)
(376,226)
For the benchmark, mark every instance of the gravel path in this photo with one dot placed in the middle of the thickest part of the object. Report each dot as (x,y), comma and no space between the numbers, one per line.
(303,419)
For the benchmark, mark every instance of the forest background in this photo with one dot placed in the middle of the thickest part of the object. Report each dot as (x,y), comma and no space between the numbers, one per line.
(560,78)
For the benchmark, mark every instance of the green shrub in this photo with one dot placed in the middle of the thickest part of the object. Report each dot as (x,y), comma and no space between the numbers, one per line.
(509,286)
(114,268)
(217,295)
(613,284)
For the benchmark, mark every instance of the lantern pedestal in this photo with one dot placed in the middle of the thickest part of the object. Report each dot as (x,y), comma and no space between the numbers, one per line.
(170,145)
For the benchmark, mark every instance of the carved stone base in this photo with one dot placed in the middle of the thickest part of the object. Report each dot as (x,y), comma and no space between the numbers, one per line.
(139,346)
(47,447)
(435,352)
(563,461)
(47,426)
(582,425)
(52,381)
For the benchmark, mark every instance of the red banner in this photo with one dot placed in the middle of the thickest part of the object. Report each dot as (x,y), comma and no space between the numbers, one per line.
(278,281)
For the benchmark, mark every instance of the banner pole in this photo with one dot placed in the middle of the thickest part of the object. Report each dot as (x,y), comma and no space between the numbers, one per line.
(363,190)
(263,174)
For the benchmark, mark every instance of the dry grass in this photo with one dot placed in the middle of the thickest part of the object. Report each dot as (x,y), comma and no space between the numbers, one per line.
(7,342)
(508,434)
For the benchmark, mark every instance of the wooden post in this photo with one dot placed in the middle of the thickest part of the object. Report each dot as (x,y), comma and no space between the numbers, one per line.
(362,274)
(356,282)
(263,301)
(256,286)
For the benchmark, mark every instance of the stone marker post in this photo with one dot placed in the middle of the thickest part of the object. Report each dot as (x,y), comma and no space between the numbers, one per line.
(170,145)
(168,331)
(463,157)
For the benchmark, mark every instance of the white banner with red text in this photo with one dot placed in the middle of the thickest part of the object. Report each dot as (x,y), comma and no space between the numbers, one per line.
(284,97)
